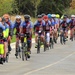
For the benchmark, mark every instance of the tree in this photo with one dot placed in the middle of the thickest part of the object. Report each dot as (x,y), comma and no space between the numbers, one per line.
(53,6)
(73,4)
(5,6)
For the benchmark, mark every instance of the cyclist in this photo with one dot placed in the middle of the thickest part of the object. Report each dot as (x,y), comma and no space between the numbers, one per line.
(26,28)
(58,22)
(64,26)
(3,43)
(8,21)
(47,29)
(17,24)
(54,27)
(39,26)
(72,25)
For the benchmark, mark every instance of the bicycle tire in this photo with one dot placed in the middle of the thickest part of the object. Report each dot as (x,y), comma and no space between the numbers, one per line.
(22,55)
(19,53)
(44,46)
(7,57)
(61,39)
(38,47)
(26,54)
(51,43)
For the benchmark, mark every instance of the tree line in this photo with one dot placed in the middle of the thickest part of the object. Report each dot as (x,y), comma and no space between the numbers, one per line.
(34,7)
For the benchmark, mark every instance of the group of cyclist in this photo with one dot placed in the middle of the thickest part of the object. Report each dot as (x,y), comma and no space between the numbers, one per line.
(48,25)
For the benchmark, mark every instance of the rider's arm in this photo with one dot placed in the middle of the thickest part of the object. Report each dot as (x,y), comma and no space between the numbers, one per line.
(7,30)
(21,27)
(11,28)
(34,26)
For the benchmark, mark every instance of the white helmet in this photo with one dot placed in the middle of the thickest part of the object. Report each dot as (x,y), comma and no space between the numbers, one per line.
(53,15)
(72,15)
(18,17)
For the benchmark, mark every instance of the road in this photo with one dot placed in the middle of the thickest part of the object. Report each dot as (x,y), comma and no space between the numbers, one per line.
(57,61)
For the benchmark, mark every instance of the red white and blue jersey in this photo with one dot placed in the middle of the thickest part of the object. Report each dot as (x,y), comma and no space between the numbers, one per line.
(47,25)
(38,25)
(17,26)
(27,26)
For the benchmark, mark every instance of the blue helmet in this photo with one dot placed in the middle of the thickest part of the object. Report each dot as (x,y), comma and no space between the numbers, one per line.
(49,15)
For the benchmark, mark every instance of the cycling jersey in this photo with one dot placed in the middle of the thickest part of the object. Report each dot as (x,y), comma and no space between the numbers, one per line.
(10,27)
(17,26)
(64,24)
(72,23)
(26,26)
(38,26)
(2,30)
(47,25)
(10,24)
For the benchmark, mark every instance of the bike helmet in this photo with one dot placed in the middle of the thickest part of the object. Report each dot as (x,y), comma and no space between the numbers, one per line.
(39,16)
(26,16)
(49,15)
(18,17)
(42,14)
(57,16)
(53,15)
(6,16)
(72,15)
(45,17)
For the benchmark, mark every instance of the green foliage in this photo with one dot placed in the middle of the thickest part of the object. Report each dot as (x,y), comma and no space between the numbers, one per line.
(5,6)
(34,7)
(53,6)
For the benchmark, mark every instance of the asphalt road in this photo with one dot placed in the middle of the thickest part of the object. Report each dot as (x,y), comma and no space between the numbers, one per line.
(57,61)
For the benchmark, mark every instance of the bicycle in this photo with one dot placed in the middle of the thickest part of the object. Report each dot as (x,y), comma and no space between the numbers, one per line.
(62,37)
(1,49)
(39,42)
(25,53)
(51,43)
(46,46)
(18,50)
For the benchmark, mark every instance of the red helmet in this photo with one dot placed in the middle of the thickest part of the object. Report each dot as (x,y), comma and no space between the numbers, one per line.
(45,17)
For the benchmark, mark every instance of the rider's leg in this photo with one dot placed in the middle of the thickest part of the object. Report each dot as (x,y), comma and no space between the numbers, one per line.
(9,41)
(17,42)
(5,49)
(36,35)
(48,38)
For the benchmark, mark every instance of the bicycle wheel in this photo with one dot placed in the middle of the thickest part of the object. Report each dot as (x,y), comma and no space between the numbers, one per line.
(7,57)
(26,56)
(26,53)
(38,46)
(19,52)
(51,43)
(23,54)
(64,41)
(44,45)
(74,36)
(61,41)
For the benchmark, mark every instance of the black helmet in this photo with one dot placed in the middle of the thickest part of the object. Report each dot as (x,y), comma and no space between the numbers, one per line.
(3,19)
(27,16)
(43,14)
(39,16)
(66,16)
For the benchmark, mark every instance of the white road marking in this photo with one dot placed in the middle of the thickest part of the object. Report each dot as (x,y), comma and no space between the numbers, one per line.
(50,64)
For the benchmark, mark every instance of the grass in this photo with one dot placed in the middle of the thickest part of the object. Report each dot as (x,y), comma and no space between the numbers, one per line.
(13,19)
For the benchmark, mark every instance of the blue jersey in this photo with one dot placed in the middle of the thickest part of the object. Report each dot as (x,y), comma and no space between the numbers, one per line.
(11,26)
(1,26)
(38,25)
(17,26)
(47,25)
(26,26)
